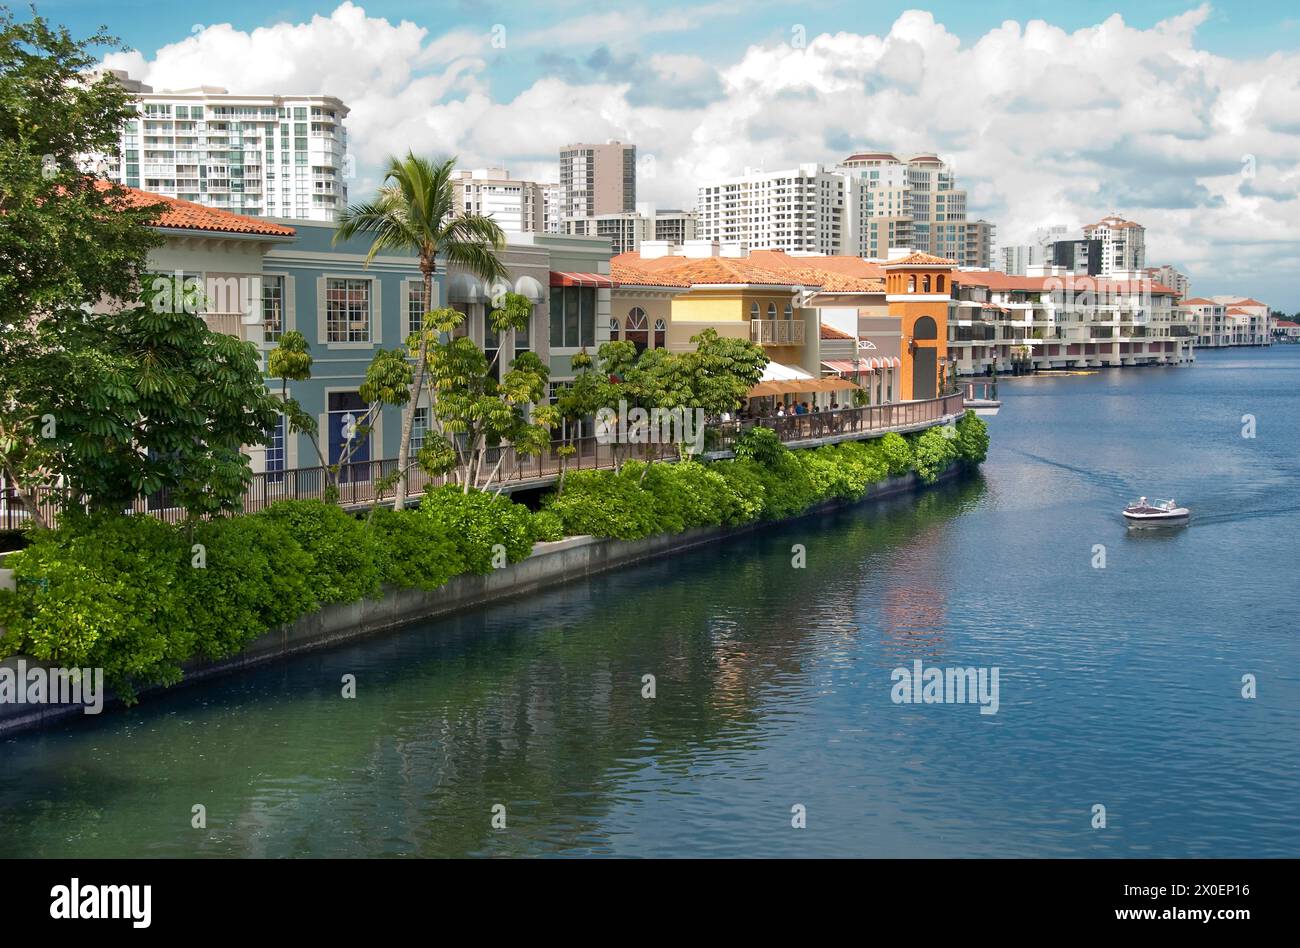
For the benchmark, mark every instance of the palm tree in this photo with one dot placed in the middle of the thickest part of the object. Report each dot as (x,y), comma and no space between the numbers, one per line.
(415,212)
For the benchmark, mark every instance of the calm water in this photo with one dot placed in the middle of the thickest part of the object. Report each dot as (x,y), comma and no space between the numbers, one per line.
(1119,686)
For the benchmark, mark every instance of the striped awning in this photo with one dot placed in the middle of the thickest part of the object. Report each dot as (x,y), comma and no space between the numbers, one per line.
(566,278)
(872,364)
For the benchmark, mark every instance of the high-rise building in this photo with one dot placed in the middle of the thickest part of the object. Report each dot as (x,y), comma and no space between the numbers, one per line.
(517,206)
(1123,244)
(627,231)
(676,226)
(552,208)
(870,202)
(799,210)
(262,155)
(1018,258)
(1168,276)
(597,179)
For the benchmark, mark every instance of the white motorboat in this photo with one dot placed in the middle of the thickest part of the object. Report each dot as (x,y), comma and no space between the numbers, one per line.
(1155,513)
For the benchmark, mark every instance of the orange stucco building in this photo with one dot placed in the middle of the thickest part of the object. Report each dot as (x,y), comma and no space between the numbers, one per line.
(918,288)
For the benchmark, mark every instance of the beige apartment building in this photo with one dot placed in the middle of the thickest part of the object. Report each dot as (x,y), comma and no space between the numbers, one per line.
(597,179)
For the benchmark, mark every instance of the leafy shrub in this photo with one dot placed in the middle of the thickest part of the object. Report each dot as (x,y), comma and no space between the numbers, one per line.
(547,527)
(688,494)
(972,438)
(414,550)
(896,453)
(102,592)
(762,445)
(605,504)
(477,521)
(344,551)
(934,452)
(255,576)
(745,489)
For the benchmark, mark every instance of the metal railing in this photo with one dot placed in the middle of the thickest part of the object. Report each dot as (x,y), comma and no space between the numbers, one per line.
(355,483)
(777,332)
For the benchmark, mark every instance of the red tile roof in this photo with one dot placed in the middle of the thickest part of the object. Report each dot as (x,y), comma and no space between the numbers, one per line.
(1248,302)
(186,215)
(830,332)
(703,271)
(919,259)
(625,273)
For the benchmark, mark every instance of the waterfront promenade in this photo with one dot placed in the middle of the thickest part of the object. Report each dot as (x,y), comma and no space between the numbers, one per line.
(357,482)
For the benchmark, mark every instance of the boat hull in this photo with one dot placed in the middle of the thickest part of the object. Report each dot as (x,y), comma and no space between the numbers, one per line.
(1139,521)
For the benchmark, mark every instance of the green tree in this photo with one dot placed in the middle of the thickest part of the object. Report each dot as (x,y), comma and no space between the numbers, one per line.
(415,212)
(474,413)
(150,400)
(68,239)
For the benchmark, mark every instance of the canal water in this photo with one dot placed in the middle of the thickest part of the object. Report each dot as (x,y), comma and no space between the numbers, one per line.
(1119,687)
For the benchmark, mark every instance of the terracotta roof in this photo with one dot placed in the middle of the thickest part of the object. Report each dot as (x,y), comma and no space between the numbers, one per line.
(1238,312)
(1249,302)
(919,259)
(624,274)
(835,274)
(868,155)
(1286,322)
(186,215)
(703,271)
(830,332)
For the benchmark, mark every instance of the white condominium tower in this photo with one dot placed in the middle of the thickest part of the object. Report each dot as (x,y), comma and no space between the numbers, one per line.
(263,155)
(517,206)
(796,209)
(870,202)
(1123,244)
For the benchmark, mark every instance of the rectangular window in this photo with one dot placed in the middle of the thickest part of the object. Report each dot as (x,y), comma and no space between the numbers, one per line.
(419,425)
(523,337)
(491,343)
(272,308)
(573,317)
(415,307)
(347,310)
(275,453)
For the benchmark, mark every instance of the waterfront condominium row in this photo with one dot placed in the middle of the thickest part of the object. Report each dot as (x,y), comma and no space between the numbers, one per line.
(262,155)
(865,205)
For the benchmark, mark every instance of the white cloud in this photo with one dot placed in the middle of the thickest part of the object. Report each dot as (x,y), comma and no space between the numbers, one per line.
(1044,126)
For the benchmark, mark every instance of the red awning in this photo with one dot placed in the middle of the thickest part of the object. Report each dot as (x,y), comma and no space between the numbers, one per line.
(562,278)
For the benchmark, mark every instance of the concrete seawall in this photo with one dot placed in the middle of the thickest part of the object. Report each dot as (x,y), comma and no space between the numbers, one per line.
(548,565)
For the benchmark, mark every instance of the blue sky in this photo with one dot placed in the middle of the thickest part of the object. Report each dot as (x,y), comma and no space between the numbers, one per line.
(1155,114)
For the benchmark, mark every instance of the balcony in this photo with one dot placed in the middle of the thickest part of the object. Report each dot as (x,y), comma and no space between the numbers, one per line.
(776,332)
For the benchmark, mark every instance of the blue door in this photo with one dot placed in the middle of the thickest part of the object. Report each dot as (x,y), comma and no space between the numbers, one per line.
(345,412)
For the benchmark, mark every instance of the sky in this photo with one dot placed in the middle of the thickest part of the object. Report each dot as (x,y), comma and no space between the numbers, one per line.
(1184,117)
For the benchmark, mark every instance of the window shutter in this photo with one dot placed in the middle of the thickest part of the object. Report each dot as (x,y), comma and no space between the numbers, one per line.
(322,335)
(290,304)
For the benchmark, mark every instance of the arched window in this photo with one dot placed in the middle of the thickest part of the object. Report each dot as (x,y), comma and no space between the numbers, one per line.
(911,283)
(925,328)
(939,283)
(789,311)
(925,283)
(661,333)
(754,311)
(771,311)
(637,334)
(614,328)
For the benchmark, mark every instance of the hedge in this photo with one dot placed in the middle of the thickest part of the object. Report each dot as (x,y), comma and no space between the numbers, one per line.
(138,597)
